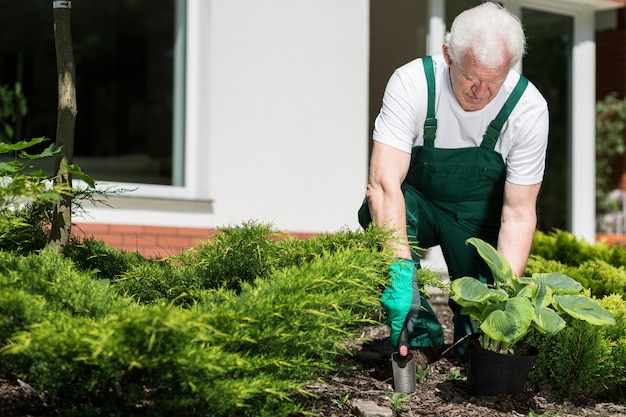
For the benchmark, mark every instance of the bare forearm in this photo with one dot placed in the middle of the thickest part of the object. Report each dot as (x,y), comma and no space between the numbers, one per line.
(515,240)
(388,211)
(388,167)
(518,223)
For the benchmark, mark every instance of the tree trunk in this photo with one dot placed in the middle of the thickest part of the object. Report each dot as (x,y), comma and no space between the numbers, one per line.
(66,120)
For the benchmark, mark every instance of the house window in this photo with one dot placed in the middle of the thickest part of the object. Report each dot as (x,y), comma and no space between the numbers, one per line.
(130,83)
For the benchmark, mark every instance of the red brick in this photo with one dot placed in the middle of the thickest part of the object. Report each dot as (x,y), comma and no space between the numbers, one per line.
(155,241)
(200,234)
(126,229)
(160,230)
(89,228)
(178,241)
(113,240)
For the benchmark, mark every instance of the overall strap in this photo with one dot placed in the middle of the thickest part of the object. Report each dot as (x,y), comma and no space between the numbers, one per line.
(493,130)
(430,124)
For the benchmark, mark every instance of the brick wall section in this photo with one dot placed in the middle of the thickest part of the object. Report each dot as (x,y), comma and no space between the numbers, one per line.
(150,241)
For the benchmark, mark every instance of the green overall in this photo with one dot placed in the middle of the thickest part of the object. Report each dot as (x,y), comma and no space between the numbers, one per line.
(452,195)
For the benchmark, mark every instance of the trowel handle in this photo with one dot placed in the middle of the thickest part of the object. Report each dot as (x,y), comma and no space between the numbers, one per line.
(403,340)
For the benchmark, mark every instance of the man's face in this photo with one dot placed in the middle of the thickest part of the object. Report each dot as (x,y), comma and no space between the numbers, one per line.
(474,85)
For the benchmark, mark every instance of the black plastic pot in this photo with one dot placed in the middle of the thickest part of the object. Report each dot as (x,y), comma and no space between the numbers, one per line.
(492,373)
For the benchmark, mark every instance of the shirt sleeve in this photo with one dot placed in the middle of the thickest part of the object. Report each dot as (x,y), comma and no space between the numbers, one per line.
(397,123)
(529,127)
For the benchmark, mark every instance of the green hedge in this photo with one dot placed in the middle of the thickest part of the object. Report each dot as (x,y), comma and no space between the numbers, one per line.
(583,361)
(239,324)
(127,345)
(564,247)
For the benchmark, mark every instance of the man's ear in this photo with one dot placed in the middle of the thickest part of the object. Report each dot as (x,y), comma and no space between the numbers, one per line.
(446,53)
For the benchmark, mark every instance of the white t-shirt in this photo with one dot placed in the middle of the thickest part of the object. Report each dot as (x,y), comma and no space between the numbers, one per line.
(523,139)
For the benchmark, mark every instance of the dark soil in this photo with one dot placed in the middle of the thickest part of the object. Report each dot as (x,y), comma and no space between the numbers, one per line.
(18,399)
(367,376)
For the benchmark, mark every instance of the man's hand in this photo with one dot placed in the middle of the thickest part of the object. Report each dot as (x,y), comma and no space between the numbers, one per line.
(401,298)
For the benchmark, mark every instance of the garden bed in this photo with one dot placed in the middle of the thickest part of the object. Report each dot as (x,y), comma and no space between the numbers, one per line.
(368,377)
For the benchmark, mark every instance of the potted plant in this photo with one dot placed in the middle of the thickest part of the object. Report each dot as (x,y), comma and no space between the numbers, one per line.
(508,310)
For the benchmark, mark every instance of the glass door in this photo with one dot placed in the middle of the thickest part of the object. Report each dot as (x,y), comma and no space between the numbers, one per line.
(547,65)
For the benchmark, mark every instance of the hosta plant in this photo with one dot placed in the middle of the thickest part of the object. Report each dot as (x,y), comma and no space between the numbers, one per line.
(509,308)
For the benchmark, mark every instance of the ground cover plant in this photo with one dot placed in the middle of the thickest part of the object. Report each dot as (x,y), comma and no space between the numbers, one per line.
(244,324)
(584,361)
(175,337)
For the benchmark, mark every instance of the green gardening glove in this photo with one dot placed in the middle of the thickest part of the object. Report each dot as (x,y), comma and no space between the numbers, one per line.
(401,297)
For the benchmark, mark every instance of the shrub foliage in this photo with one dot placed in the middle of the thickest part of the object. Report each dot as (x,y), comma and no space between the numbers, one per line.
(127,345)
(239,324)
(583,361)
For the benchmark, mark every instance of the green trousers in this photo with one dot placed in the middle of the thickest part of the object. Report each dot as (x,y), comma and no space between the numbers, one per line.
(431,224)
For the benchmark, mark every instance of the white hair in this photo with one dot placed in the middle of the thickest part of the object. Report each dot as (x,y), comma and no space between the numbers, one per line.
(490,32)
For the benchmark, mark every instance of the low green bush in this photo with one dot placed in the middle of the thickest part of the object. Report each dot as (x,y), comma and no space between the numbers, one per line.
(572,362)
(235,350)
(109,333)
(17,310)
(564,247)
(53,277)
(599,276)
(584,361)
(102,260)
(237,256)
(233,257)
(300,309)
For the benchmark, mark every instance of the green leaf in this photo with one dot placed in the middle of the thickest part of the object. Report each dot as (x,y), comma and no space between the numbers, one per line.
(544,295)
(18,146)
(7,167)
(78,173)
(528,289)
(560,283)
(490,308)
(38,174)
(49,151)
(473,310)
(470,289)
(512,323)
(584,308)
(548,321)
(499,266)
(50,196)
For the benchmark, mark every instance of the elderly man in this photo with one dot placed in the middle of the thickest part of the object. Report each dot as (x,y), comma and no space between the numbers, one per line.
(459,151)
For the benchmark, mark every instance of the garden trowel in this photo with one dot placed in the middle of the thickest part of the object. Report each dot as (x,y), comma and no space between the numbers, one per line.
(403,363)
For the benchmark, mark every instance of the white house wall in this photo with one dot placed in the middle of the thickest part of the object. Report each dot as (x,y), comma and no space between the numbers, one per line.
(287,114)
(277,116)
